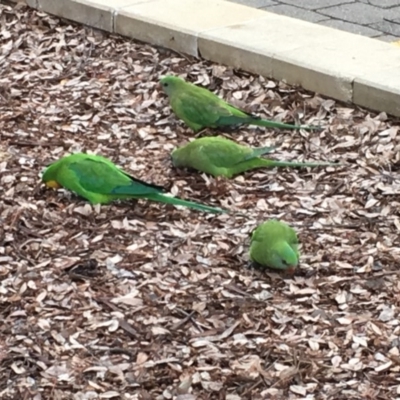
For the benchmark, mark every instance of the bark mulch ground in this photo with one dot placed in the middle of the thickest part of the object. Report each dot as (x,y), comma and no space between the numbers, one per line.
(150,301)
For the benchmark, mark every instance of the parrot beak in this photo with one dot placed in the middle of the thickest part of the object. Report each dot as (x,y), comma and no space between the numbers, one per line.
(53,184)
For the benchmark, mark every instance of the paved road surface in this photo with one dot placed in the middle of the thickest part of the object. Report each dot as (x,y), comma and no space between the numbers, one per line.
(374,18)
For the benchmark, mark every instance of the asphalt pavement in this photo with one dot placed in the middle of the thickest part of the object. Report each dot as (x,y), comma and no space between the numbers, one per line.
(378,19)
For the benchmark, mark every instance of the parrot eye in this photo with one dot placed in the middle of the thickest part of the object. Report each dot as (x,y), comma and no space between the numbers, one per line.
(165,84)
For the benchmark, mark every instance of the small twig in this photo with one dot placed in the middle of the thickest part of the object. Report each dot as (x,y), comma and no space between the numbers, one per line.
(183,321)
(121,350)
(260,381)
(16,217)
(126,326)
(237,290)
(335,189)
(191,319)
(108,304)
(386,273)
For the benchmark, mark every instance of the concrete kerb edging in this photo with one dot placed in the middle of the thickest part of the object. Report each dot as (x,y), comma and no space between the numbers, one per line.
(331,62)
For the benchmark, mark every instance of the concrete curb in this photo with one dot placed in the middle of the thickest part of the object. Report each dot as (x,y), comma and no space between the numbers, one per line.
(331,62)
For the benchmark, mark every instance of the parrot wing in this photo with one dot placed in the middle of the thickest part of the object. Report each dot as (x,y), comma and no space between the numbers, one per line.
(198,107)
(105,178)
(223,154)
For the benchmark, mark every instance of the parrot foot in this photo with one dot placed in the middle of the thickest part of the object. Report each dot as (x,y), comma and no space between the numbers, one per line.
(256,265)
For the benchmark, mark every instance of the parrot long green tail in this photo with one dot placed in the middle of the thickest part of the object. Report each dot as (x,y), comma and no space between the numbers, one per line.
(180,202)
(265,163)
(271,124)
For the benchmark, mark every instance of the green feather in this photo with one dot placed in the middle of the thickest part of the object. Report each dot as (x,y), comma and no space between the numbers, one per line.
(199,108)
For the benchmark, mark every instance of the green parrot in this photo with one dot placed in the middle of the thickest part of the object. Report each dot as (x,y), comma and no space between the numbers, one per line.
(199,108)
(219,156)
(274,244)
(98,180)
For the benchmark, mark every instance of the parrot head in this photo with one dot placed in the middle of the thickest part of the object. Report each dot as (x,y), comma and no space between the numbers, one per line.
(283,256)
(170,83)
(178,157)
(49,177)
